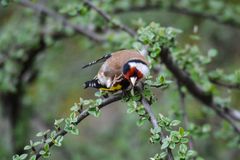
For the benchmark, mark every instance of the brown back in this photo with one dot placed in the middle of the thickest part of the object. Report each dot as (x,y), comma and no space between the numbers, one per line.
(112,67)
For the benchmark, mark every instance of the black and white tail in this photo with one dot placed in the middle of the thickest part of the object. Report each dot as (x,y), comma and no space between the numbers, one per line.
(102,59)
(93,84)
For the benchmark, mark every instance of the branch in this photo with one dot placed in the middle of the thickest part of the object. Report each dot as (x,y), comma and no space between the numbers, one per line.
(139,8)
(144,102)
(34,50)
(77,28)
(12,101)
(212,17)
(180,10)
(195,90)
(158,85)
(184,113)
(205,97)
(39,124)
(84,114)
(225,84)
(155,124)
(109,19)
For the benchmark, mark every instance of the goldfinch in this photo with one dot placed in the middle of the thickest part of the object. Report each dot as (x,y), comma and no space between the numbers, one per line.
(120,70)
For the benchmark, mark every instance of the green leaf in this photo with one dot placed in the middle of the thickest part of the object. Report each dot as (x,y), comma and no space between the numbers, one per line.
(37,143)
(194,37)
(130,110)
(53,134)
(83,10)
(4,3)
(58,122)
(206,128)
(87,102)
(15,157)
(48,140)
(184,140)
(172,145)
(183,148)
(212,53)
(146,35)
(73,117)
(137,45)
(156,136)
(46,155)
(175,139)
(191,153)
(132,104)
(161,79)
(94,111)
(23,156)
(74,131)
(175,123)
(163,155)
(141,111)
(81,100)
(141,121)
(42,152)
(98,94)
(98,101)
(165,144)
(181,131)
(28,147)
(40,134)
(67,121)
(31,143)
(46,147)
(34,157)
(156,157)
(75,108)
(58,141)
(155,130)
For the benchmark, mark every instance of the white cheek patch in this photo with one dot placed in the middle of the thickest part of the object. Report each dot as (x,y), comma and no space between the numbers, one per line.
(143,68)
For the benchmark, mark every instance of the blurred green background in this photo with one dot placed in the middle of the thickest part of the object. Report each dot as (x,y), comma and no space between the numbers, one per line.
(114,135)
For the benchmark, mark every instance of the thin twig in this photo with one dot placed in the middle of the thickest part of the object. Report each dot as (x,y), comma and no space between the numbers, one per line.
(109,19)
(132,33)
(204,15)
(155,124)
(184,113)
(180,10)
(39,124)
(195,90)
(225,84)
(84,114)
(162,86)
(51,13)
(205,97)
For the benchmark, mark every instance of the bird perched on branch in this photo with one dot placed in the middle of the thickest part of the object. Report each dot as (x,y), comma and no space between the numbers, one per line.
(120,70)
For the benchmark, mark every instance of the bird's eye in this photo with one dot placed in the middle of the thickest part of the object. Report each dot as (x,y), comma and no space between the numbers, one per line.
(126,68)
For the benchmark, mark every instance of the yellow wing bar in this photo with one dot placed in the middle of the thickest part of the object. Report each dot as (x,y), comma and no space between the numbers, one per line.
(113,88)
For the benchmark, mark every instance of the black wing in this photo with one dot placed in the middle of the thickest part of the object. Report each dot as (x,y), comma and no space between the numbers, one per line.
(102,59)
(94,84)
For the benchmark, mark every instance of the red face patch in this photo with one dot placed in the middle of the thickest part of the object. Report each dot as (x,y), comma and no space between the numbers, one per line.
(133,72)
(139,75)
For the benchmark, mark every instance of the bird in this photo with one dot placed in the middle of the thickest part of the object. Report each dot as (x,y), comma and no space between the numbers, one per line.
(119,71)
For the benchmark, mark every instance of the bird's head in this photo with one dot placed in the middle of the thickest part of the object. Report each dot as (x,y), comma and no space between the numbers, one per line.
(135,70)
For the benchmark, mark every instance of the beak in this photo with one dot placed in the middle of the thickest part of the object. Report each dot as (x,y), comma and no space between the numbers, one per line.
(133,80)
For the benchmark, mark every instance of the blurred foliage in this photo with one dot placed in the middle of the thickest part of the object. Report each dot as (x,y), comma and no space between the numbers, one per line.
(54,80)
